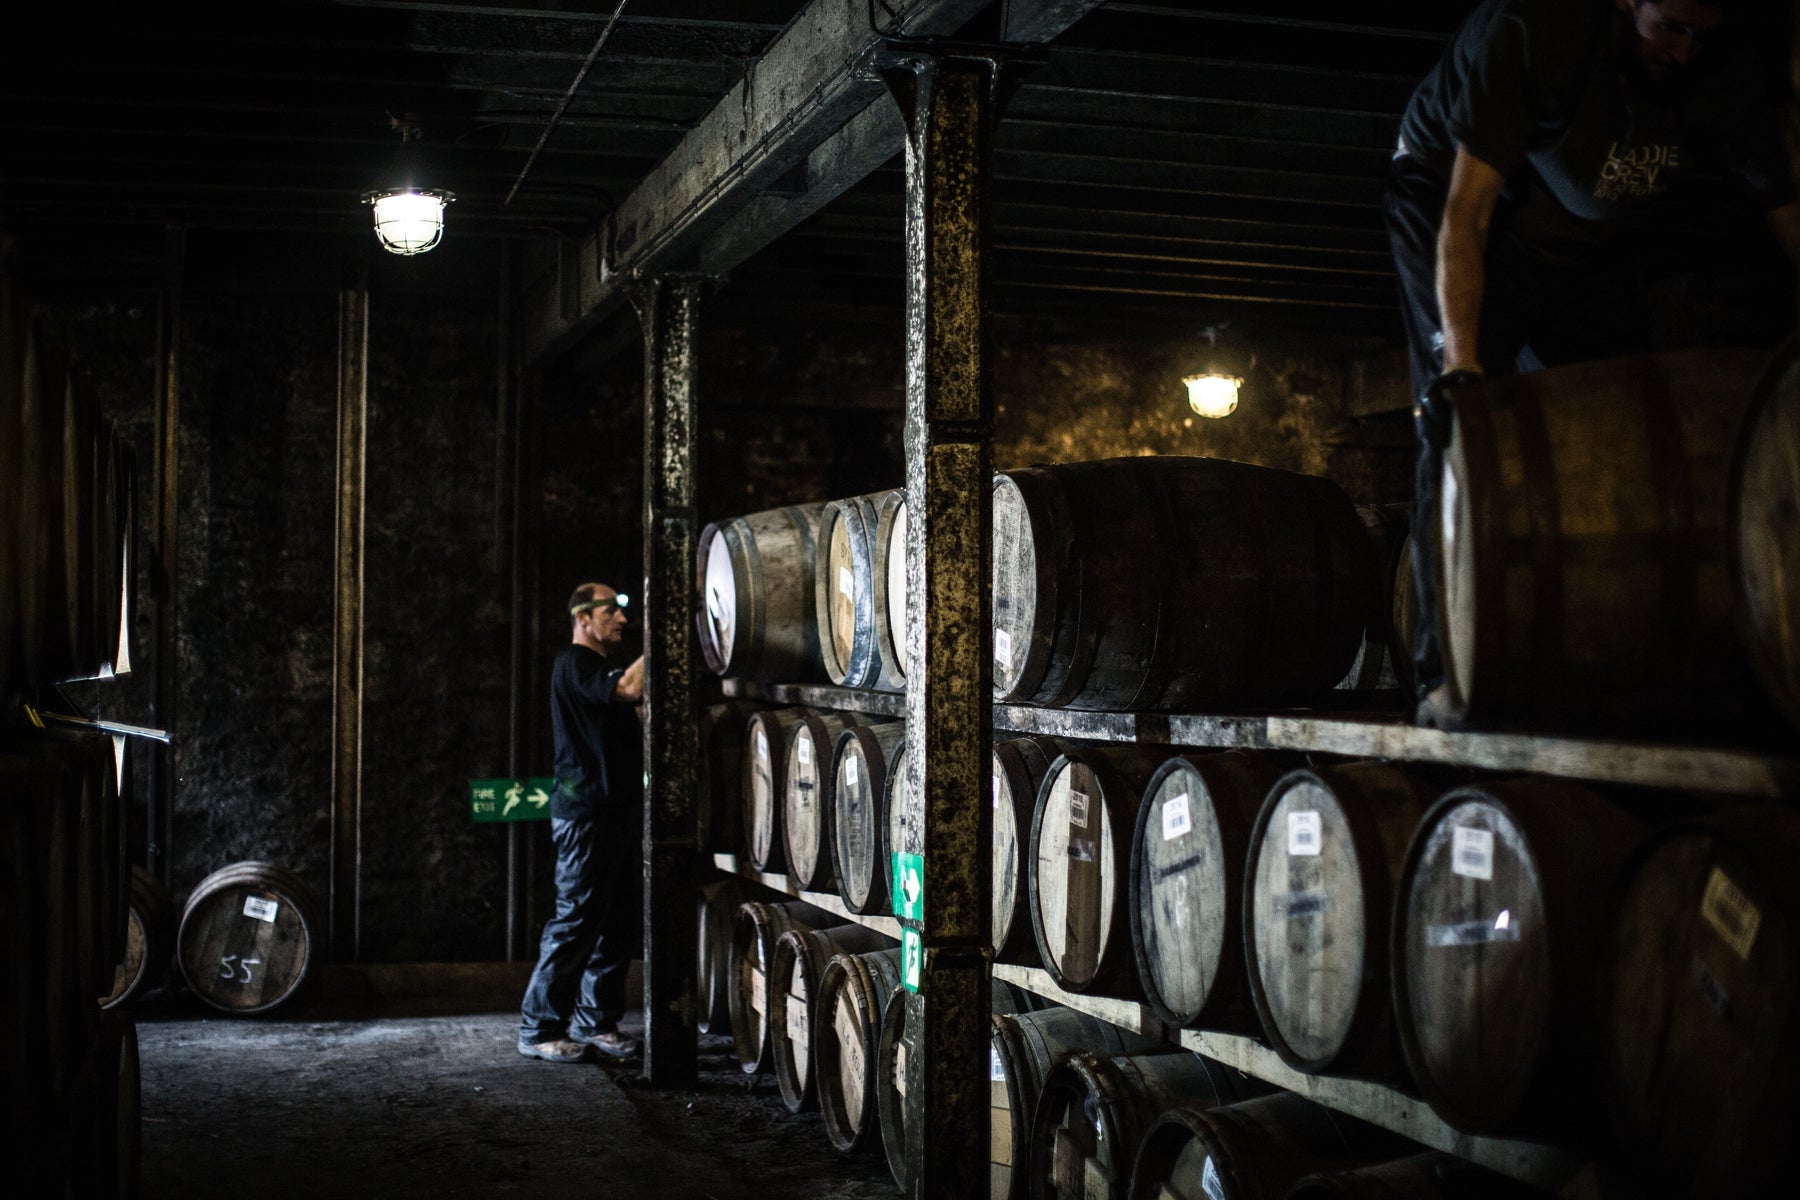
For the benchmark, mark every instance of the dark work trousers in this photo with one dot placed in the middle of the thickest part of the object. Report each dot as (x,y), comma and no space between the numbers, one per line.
(1537,310)
(587,947)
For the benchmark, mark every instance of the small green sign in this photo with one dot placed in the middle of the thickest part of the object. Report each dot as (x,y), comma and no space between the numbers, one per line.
(909,886)
(912,958)
(510,799)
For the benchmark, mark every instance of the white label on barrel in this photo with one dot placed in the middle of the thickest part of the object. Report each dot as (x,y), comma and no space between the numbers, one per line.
(262,910)
(996,1068)
(1003,648)
(1472,853)
(1210,1181)
(1731,913)
(796,1018)
(996,780)
(1175,817)
(850,769)
(803,749)
(1303,833)
(900,1067)
(846,582)
(1078,810)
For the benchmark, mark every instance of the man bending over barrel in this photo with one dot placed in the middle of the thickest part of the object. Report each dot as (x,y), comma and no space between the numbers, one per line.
(577,993)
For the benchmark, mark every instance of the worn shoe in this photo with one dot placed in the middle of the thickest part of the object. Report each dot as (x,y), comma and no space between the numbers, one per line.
(557,1050)
(611,1043)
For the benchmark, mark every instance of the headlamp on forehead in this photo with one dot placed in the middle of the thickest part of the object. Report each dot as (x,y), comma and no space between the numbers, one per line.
(619,601)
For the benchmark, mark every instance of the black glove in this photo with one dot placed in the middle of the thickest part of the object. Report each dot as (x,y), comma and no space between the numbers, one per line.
(1432,414)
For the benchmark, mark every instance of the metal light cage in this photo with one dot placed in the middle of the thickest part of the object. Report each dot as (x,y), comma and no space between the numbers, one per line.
(409,220)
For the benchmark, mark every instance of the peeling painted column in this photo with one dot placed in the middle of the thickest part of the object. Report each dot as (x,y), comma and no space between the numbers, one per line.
(668,309)
(347,621)
(949,102)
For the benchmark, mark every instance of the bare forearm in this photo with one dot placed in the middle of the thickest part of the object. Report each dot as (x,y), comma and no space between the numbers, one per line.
(630,688)
(1462,258)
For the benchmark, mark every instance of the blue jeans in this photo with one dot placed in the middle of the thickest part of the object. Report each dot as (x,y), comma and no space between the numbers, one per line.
(587,947)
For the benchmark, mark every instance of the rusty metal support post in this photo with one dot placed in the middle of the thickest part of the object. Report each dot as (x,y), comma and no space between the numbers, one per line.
(347,619)
(949,103)
(165,574)
(668,309)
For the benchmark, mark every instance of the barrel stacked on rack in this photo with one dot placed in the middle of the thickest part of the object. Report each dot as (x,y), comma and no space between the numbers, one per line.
(68,1071)
(1436,929)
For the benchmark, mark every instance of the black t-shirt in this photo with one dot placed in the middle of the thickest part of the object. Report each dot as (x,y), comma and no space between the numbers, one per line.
(599,742)
(1537,89)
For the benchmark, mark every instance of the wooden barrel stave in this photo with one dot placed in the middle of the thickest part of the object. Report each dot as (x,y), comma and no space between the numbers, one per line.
(891,587)
(250,939)
(1496,938)
(1019,767)
(1191,837)
(1202,582)
(754,933)
(718,908)
(756,595)
(863,767)
(1093,1113)
(720,803)
(1582,538)
(1762,551)
(1323,867)
(809,795)
(1081,856)
(766,737)
(853,995)
(1702,970)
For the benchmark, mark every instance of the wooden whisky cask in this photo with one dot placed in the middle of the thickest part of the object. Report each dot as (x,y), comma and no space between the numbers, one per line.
(251,937)
(1583,543)
(853,995)
(1252,1150)
(897,1067)
(766,738)
(1023,1049)
(1187,878)
(149,939)
(1173,583)
(756,613)
(846,592)
(719,904)
(720,777)
(809,797)
(800,959)
(891,586)
(1762,528)
(901,831)
(1019,767)
(1080,847)
(1499,924)
(759,926)
(1093,1113)
(864,771)
(1324,865)
(1702,969)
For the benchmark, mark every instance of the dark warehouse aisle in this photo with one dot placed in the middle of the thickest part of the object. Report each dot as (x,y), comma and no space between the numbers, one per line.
(442,1106)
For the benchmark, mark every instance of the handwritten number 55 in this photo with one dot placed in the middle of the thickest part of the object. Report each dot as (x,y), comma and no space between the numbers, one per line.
(230,965)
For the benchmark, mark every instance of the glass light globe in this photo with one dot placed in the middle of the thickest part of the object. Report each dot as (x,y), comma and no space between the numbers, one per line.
(1213,395)
(409,220)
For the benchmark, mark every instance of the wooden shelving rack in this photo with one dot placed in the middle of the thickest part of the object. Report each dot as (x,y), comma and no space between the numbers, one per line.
(1737,772)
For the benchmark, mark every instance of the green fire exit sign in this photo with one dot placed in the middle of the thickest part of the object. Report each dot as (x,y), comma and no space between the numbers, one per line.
(510,799)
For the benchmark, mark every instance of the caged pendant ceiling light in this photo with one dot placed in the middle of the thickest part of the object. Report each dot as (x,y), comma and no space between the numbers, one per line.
(1213,392)
(408,219)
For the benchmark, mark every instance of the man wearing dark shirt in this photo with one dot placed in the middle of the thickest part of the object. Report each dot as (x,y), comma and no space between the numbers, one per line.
(577,993)
(1548,130)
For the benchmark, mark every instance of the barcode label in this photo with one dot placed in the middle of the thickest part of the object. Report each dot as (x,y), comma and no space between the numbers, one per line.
(1078,811)
(996,780)
(1304,835)
(1472,852)
(1730,913)
(261,909)
(1002,648)
(900,1067)
(846,582)
(996,1068)
(1176,820)
(850,772)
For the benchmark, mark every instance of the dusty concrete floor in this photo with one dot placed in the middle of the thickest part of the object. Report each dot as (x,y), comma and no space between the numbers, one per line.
(417,1090)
